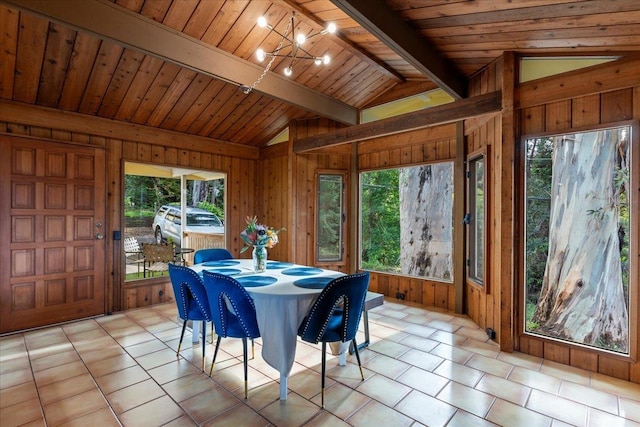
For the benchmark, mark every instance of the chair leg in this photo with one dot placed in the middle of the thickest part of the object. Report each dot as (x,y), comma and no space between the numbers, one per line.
(324,364)
(244,354)
(253,350)
(215,354)
(355,346)
(204,341)
(184,326)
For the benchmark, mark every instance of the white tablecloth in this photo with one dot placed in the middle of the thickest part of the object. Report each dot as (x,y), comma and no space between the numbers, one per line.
(280,306)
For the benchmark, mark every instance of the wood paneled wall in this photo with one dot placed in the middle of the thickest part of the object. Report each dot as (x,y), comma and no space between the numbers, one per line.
(484,304)
(137,144)
(573,100)
(273,197)
(287,192)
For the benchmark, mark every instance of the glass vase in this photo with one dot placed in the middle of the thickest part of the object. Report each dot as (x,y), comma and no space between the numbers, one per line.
(259,256)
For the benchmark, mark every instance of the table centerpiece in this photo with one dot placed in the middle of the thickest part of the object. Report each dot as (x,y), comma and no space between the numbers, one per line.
(261,238)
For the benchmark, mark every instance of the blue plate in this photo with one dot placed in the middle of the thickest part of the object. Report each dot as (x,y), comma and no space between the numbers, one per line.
(221,263)
(313,282)
(255,281)
(277,265)
(225,271)
(302,271)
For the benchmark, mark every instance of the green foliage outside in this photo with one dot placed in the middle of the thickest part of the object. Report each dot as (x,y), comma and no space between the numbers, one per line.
(380,216)
(330,211)
(218,210)
(143,195)
(538,181)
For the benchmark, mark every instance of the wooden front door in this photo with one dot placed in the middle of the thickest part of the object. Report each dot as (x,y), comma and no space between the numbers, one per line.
(52,250)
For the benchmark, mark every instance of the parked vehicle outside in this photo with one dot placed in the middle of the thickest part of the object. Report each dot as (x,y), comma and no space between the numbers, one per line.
(167,224)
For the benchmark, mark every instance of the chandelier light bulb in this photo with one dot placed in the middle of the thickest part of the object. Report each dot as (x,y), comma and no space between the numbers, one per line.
(326,59)
(317,61)
(300,38)
(331,28)
(260,54)
(288,71)
(262,22)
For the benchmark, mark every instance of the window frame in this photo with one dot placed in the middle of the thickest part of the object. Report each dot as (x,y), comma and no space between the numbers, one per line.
(634,247)
(469,221)
(343,229)
(168,212)
(358,208)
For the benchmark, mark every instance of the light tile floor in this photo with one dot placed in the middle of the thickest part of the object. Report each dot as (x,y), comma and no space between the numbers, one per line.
(423,367)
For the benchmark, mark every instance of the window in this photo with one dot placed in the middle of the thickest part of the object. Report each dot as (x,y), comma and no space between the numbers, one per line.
(406,221)
(153,214)
(331,217)
(417,102)
(537,67)
(476,219)
(578,214)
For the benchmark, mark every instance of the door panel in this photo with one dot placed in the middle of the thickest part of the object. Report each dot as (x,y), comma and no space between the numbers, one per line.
(52,259)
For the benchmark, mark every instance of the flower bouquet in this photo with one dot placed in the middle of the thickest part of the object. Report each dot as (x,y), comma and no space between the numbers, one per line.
(260,237)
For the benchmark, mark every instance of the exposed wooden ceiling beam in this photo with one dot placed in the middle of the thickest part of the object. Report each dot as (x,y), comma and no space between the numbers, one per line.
(442,114)
(387,26)
(109,21)
(348,44)
(17,112)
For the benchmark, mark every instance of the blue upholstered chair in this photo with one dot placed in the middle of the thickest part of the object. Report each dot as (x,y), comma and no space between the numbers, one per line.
(191,299)
(233,313)
(335,315)
(213,254)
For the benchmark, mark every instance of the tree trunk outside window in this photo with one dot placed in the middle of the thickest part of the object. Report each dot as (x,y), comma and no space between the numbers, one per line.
(426,227)
(582,297)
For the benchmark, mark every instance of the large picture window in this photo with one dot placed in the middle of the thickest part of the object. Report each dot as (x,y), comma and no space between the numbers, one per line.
(406,219)
(578,222)
(153,199)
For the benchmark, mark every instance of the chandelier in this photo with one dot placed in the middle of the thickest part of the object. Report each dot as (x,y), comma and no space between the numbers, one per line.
(290,47)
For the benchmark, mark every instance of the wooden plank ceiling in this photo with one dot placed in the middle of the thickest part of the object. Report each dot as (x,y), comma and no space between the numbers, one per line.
(180,64)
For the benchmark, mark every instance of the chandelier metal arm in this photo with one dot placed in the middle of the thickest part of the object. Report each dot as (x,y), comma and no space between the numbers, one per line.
(294,49)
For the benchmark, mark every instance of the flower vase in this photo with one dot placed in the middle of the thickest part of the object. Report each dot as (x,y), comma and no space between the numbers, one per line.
(259,256)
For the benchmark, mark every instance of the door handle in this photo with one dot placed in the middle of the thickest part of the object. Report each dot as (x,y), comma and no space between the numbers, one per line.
(99,236)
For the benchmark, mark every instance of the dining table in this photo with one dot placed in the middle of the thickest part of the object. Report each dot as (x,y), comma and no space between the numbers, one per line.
(282,295)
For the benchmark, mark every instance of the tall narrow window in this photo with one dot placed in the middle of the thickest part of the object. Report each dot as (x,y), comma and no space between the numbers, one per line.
(578,222)
(330,217)
(476,219)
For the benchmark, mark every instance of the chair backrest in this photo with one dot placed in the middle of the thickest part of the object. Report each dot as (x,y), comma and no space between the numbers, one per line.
(213,254)
(189,291)
(131,244)
(346,293)
(226,294)
(157,253)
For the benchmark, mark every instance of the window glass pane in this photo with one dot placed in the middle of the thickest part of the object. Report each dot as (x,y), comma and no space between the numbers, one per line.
(477,219)
(406,219)
(330,217)
(152,210)
(577,223)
